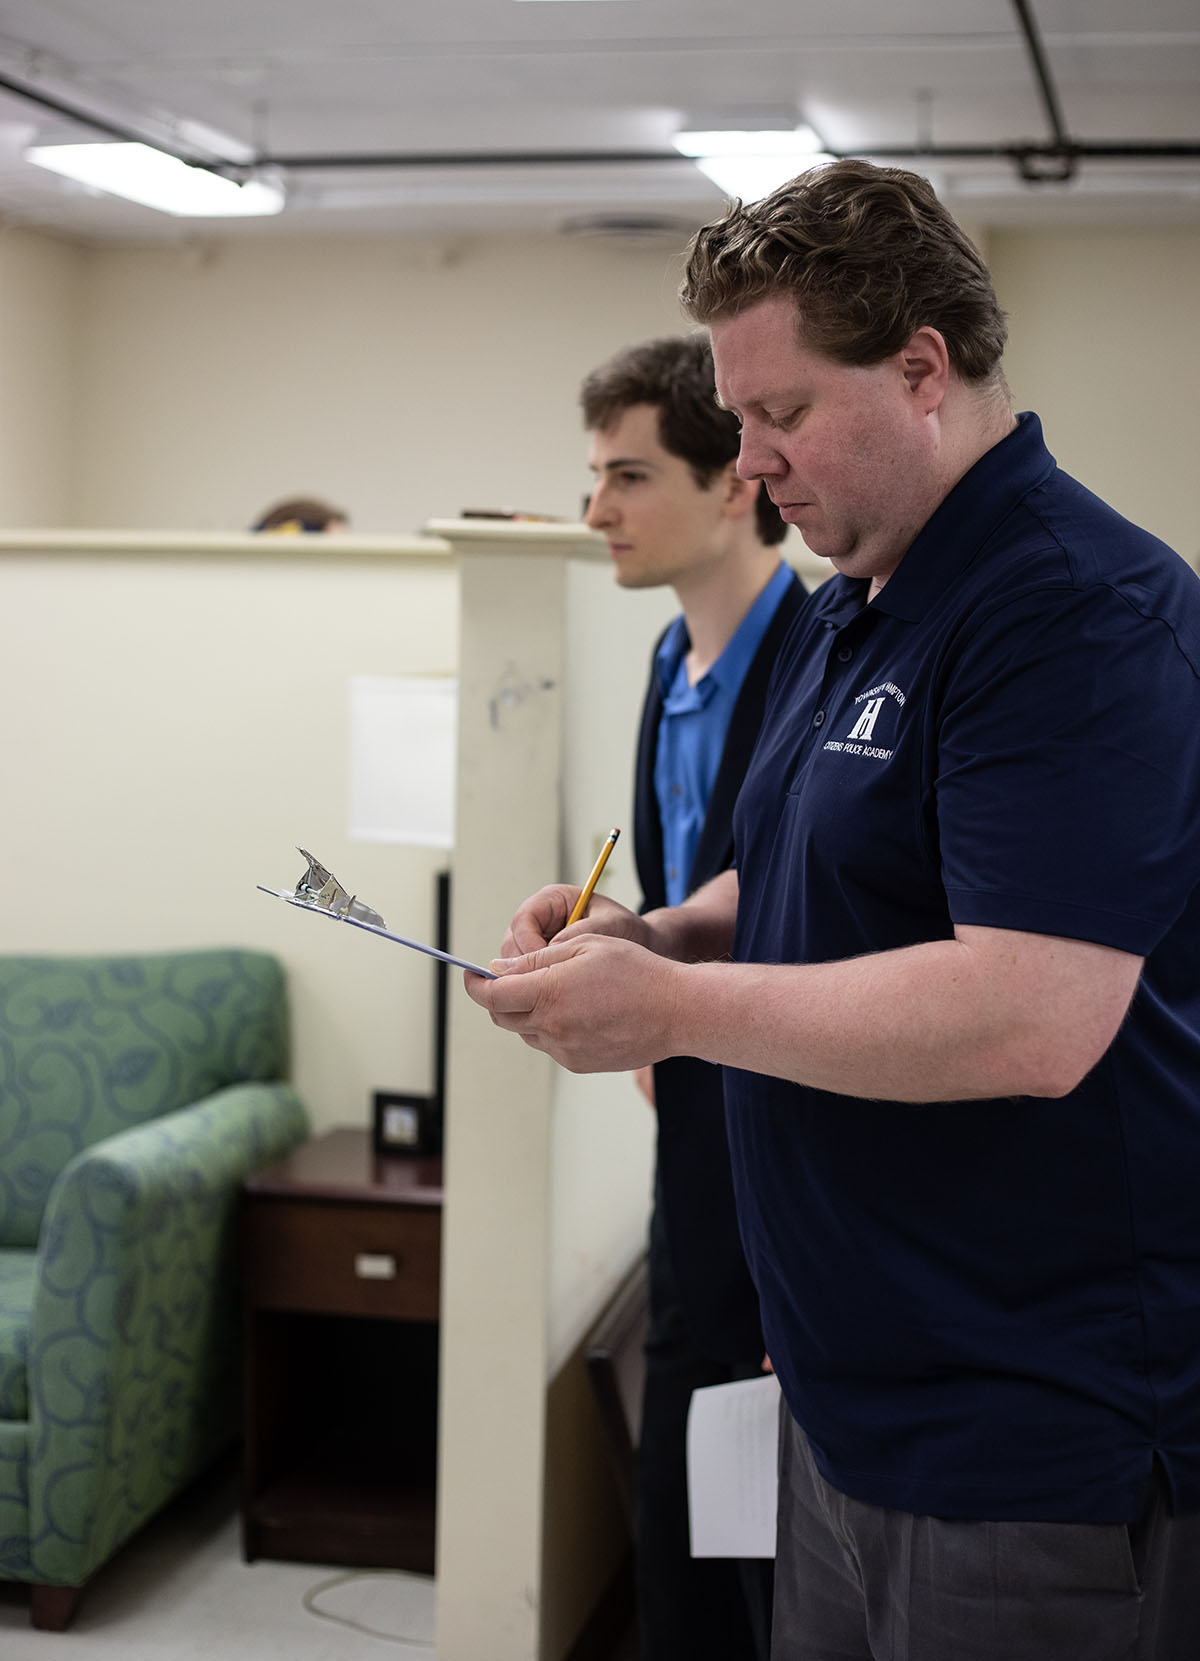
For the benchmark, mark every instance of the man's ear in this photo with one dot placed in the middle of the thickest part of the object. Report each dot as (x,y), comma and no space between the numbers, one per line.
(925,365)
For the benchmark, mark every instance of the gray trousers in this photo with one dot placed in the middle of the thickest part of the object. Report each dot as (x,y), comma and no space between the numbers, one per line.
(855,1582)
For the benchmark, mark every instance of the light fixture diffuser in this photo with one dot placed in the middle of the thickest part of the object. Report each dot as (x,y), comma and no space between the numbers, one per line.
(751,165)
(774,141)
(156,180)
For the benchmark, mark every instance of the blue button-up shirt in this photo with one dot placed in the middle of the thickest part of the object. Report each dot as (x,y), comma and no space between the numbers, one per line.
(693,727)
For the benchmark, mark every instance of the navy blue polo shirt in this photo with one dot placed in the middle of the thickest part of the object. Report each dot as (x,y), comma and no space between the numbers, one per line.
(987,1308)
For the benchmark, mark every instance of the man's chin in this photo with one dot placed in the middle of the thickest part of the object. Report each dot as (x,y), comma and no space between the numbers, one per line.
(816,544)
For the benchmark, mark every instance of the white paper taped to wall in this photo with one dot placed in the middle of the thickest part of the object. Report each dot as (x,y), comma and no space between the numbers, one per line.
(403,737)
(733,1481)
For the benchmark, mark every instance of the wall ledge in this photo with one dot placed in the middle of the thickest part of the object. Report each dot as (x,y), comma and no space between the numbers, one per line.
(577,541)
(560,537)
(217,543)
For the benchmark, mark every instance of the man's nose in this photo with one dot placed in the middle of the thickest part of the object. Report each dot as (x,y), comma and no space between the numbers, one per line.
(599,512)
(758,457)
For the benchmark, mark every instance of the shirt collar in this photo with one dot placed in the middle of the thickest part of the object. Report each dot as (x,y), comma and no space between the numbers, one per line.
(672,649)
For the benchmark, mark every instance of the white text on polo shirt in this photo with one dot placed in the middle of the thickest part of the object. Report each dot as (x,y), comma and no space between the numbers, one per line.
(858,749)
(857,740)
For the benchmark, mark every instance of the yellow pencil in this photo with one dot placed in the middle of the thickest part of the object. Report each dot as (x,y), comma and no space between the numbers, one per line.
(581,903)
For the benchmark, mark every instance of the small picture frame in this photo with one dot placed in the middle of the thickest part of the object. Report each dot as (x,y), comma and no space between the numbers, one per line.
(403,1126)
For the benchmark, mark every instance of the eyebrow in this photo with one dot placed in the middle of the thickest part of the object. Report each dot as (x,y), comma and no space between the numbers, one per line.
(624,461)
(784,395)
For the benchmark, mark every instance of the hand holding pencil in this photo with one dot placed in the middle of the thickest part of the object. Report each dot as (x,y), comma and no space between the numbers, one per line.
(581,904)
(549,990)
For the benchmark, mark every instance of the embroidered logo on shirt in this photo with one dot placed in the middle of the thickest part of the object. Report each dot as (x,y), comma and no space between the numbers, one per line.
(865,725)
(858,741)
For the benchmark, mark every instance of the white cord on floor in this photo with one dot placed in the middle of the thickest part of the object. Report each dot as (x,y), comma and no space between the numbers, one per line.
(328,1584)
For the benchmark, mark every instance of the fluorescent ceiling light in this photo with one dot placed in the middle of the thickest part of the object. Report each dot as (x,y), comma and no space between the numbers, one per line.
(143,174)
(752,164)
(789,141)
(750,178)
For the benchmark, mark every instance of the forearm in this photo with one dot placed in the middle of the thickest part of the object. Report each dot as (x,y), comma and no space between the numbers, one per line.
(946,1021)
(701,929)
(991,1012)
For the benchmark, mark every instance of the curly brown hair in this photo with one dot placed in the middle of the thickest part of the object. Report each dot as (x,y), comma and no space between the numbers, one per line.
(869,254)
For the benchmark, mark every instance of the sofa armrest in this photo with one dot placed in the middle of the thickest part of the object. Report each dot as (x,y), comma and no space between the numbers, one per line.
(134,1344)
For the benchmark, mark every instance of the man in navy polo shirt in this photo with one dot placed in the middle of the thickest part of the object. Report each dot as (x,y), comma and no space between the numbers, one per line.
(961,1024)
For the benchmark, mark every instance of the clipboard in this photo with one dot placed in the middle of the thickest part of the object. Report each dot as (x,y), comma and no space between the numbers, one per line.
(320,893)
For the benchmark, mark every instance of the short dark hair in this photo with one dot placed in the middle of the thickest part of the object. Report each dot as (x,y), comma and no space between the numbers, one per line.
(869,255)
(675,375)
(304,513)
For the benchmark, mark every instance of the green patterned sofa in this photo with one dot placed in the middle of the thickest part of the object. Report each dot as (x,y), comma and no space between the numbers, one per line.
(136,1093)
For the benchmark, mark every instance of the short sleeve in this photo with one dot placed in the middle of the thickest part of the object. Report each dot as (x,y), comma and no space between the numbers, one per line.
(1067,770)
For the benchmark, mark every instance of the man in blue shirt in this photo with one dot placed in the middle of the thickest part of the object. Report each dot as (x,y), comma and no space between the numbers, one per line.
(668,499)
(961,1024)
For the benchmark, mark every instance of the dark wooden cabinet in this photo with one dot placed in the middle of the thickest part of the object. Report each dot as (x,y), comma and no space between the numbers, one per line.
(340,1257)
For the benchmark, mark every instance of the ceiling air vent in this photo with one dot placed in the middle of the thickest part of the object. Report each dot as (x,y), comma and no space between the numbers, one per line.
(631,229)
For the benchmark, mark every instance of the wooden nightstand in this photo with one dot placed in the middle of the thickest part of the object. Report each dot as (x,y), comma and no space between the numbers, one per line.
(340,1270)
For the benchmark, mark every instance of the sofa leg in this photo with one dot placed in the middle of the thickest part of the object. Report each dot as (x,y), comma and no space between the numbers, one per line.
(52,1608)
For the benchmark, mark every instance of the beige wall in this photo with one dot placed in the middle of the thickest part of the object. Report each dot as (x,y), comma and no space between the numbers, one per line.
(404,378)
(1106,347)
(41,289)
(188,386)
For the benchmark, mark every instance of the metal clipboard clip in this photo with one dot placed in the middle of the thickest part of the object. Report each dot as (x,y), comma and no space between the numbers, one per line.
(319,891)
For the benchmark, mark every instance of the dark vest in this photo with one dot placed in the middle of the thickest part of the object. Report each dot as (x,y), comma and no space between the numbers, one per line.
(693,1182)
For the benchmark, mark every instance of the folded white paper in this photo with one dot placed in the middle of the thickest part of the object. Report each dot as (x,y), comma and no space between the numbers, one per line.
(733,1481)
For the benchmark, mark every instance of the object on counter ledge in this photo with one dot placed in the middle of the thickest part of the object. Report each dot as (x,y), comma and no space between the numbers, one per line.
(511,514)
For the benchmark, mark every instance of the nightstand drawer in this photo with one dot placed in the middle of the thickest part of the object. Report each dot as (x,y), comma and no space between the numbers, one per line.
(329,1258)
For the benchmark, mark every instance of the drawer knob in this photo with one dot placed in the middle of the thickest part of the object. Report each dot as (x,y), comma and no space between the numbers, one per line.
(375,1266)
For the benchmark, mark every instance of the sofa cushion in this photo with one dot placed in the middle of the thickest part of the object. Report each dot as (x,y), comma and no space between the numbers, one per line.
(17,1280)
